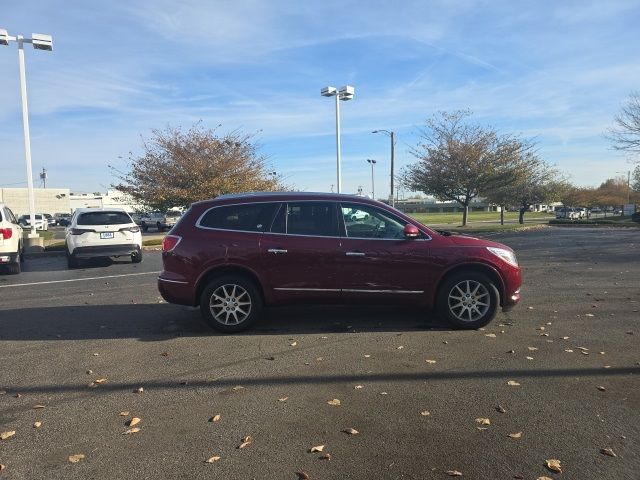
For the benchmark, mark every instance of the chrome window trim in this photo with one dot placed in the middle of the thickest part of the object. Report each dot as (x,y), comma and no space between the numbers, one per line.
(347,290)
(172,281)
(199,225)
(308,289)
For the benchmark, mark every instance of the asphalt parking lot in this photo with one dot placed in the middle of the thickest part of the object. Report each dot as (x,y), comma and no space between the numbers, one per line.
(416,391)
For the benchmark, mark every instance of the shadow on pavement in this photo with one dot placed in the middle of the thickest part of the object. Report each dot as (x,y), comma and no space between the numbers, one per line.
(158,322)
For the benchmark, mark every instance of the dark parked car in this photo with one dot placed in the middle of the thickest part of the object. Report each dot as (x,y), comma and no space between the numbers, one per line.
(236,253)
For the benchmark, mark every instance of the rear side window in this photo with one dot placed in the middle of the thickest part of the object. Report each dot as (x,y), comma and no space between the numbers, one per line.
(316,219)
(104,218)
(250,217)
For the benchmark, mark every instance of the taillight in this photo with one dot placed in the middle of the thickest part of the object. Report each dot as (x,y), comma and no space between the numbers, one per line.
(80,231)
(5,233)
(130,229)
(170,242)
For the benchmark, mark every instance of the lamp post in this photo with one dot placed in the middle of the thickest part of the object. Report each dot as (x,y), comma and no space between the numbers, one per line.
(393,143)
(628,186)
(39,42)
(373,188)
(345,93)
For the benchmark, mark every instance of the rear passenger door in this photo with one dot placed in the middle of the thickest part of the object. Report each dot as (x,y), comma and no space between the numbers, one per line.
(300,253)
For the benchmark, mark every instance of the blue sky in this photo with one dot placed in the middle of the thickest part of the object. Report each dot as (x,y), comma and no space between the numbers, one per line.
(554,70)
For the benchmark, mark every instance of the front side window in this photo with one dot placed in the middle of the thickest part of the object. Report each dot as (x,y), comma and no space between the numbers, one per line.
(250,217)
(364,221)
(103,218)
(317,219)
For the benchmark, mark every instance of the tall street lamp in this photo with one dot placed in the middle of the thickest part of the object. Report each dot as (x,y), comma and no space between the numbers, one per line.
(39,42)
(345,93)
(393,144)
(373,188)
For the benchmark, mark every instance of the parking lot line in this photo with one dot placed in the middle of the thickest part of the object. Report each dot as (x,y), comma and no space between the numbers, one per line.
(79,279)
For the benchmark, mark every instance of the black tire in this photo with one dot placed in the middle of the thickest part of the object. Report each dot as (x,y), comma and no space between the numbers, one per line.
(72,261)
(144,227)
(136,257)
(21,253)
(462,298)
(159,227)
(15,268)
(245,290)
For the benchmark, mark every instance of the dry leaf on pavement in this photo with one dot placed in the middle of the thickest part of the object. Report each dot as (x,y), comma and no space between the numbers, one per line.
(483,421)
(124,413)
(490,335)
(453,473)
(351,431)
(37,424)
(212,459)
(132,430)
(76,458)
(515,435)
(425,413)
(38,407)
(246,441)
(215,418)
(532,349)
(2,467)
(139,390)
(6,435)
(513,383)
(608,452)
(358,387)
(318,448)
(429,361)
(335,402)
(554,465)
(293,344)
(302,475)
(100,381)
(601,388)
(544,478)
(500,408)
(133,421)
(326,456)
(283,399)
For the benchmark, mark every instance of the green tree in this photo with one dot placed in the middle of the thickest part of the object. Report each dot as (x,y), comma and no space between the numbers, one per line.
(459,160)
(177,168)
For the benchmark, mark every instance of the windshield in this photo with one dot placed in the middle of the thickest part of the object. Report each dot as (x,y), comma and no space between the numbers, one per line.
(104,218)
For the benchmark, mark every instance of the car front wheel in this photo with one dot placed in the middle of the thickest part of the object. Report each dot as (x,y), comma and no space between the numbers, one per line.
(231,303)
(468,300)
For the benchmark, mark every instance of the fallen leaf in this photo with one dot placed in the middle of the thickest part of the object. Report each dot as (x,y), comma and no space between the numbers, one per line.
(425,413)
(212,459)
(319,448)
(100,381)
(367,356)
(6,435)
(565,338)
(554,465)
(38,407)
(490,335)
(515,435)
(400,347)
(139,390)
(601,388)
(283,399)
(326,456)
(589,315)
(568,350)
(532,349)
(37,424)
(293,344)
(544,478)
(237,387)
(351,431)
(96,354)
(384,393)
(583,352)
(2,467)
(246,441)
(302,475)
(483,421)
(76,458)
(541,328)
(584,349)
(430,361)
(608,452)
(358,387)
(132,430)
(133,421)
(529,358)
(335,402)
(511,351)
(215,418)
(500,409)
(513,383)
(455,473)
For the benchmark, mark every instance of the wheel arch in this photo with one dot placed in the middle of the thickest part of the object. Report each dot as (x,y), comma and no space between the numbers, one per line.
(220,271)
(475,267)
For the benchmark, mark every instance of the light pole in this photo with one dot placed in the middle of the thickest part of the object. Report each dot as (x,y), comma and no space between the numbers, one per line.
(373,188)
(393,144)
(345,93)
(39,42)
(628,186)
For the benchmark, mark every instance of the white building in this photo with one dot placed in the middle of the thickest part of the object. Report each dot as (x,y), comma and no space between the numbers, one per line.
(47,200)
(113,198)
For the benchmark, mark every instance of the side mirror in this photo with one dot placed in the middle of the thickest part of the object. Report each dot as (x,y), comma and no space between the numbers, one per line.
(411,231)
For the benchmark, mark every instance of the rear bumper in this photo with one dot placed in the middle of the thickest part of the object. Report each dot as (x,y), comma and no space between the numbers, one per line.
(176,291)
(106,251)
(7,258)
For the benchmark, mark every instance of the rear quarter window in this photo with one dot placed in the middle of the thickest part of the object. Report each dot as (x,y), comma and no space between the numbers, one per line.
(104,218)
(251,217)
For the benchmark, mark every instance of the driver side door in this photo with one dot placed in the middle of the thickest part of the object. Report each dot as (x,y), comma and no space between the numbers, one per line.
(378,263)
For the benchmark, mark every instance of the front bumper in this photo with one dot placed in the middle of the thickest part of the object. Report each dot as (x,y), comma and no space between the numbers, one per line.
(107,251)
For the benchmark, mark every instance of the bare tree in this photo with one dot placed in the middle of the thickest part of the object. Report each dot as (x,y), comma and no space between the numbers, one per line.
(177,168)
(459,160)
(626,133)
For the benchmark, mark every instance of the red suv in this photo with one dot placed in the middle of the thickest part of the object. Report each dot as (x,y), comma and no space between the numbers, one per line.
(237,253)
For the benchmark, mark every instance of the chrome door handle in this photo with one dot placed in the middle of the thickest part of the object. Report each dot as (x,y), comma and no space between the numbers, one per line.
(277,250)
(355,254)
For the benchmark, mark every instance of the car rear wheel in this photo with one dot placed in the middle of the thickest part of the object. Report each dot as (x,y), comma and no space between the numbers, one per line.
(231,303)
(15,268)
(468,300)
(72,261)
(136,257)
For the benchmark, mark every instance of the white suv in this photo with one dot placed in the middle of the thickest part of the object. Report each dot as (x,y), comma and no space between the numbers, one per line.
(11,246)
(102,232)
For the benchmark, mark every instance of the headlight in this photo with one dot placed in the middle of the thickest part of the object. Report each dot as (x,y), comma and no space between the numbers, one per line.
(506,255)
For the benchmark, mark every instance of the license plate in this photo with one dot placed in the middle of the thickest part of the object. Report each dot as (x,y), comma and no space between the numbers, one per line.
(105,235)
